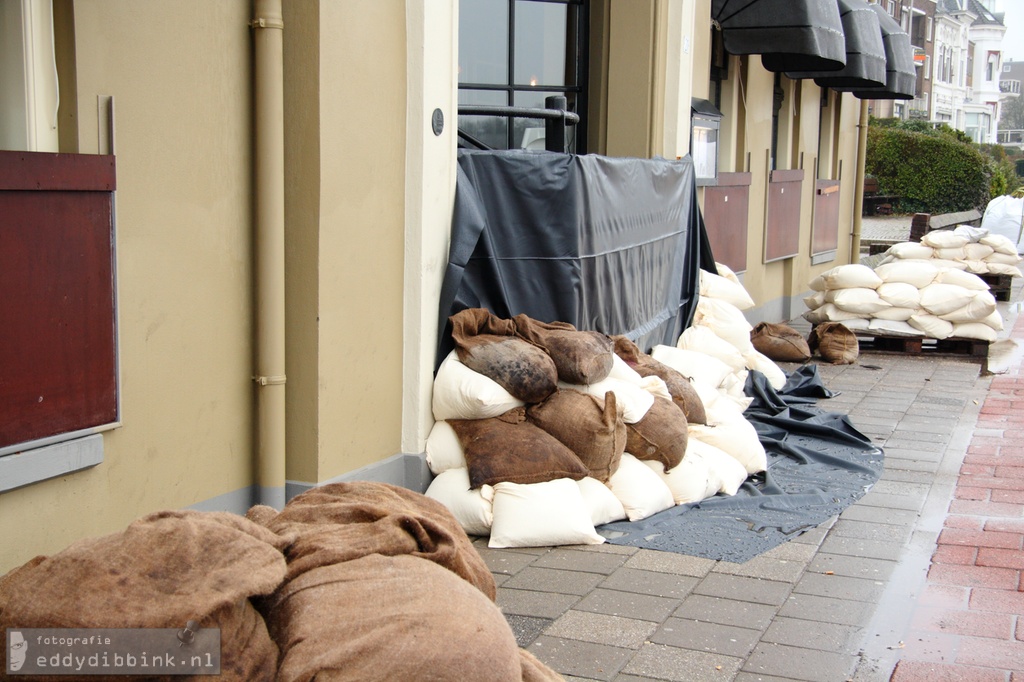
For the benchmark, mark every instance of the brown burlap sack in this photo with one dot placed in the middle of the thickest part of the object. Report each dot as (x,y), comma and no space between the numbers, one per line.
(589,426)
(162,571)
(661,435)
(340,522)
(581,357)
(835,343)
(679,387)
(488,345)
(779,342)
(391,618)
(509,448)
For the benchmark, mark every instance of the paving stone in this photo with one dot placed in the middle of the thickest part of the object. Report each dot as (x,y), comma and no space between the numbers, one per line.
(536,604)
(840,587)
(907,503)
(573,560)
(811,634)
(628,605)
(581,659)
(650,582)
(726,611)
(800,664)
(553,580)
(744,589)
(852,566)
(727,640)
(504,561)
(827,609)
(526,628)
(916,490)
(858,512)
(868,530)
(682,665)
(793,551)
(599,628)
(670,562)
(764,567)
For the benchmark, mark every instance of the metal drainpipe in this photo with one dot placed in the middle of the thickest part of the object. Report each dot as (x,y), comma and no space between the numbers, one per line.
(268,114)
(858,187)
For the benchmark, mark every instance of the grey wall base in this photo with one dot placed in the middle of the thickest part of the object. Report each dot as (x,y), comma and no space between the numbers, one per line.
(780,310)
(405,470)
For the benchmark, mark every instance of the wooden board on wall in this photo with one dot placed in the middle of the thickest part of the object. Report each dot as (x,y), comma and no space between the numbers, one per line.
(726,217)
(782,225)
(825,232)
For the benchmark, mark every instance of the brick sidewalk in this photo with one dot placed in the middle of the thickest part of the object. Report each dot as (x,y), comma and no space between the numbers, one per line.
(969,621)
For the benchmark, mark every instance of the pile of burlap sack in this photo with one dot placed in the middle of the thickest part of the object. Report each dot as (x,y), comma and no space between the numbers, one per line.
(352,581)
(544,432)
(931,298)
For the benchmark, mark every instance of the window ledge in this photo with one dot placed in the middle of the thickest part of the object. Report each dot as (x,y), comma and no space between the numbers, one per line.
(38,464)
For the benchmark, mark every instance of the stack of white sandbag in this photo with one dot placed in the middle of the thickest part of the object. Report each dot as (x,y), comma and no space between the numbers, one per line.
(932,298)
(968,248)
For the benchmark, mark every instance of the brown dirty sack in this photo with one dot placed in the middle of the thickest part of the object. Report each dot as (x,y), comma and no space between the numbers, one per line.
(661,435)
(682,391)
(487,344)
(581,357)
(162,571)
(341,522)
(391,618)
(509,448)
(589,426)
(779,342)
(835,343)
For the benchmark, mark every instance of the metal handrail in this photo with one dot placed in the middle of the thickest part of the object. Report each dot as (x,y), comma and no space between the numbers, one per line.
(556,117)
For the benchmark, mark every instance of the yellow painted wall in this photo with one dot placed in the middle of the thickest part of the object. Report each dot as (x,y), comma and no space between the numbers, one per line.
(179,72)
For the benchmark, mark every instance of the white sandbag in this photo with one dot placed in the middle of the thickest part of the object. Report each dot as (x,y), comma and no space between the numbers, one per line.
(735,436)
(444,451)
(910,250)
(698,366)
(722,407)
(851,275)
(857,300)
(895,314)
(541,515)
(999,243)
(472,508)
(899,294)
(657,387)
(931,326)
(639,489)
(689,481)
(726,271)
(634,400)
(461,393)
(962,279)
(724,319)
(977,251)
(815,300)
(858,324)
(600,501)
(704,340)
(817,284)
(995,320)
(623,372)
(1003,217)
(830,313)
(974,330)
(971,233)
(949,264)
(733,384)
(766,366)
(1003,269)
(978,308)
(944,239)
(975,267)
(1003,258)
(952,253)
(918,273)
(716,286)
(723,468)
(892,328)
(939,299)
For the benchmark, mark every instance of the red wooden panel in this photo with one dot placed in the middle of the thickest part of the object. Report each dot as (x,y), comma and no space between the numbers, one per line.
(45,171)
(57,326)
(726,217)
(825,233)
(782,228)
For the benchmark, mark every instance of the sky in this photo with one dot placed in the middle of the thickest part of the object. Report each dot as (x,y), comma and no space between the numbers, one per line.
(1013,41)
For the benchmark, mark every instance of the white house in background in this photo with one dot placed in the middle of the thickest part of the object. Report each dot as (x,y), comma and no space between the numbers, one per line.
(949,65)
(1009,84)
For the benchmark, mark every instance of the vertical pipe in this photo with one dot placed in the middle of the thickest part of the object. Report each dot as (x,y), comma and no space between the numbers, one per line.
(858,187)
(268,114)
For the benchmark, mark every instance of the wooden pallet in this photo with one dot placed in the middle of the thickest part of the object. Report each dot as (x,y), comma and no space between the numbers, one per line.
(920,345)
(999,285)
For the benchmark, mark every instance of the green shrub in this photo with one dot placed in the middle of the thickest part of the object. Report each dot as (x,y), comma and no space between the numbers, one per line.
(929,170)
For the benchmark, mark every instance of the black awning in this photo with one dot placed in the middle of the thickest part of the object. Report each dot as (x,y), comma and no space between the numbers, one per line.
(900,72)
(790,35)
(865,52)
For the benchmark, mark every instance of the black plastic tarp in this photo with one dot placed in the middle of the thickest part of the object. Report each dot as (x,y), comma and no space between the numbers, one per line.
(818,464)
(606,244)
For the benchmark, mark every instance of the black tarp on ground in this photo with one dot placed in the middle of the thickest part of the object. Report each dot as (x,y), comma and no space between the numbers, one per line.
(606,244)
(818,464)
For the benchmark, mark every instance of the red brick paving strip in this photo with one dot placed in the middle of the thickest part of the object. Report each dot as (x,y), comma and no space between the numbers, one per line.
(974,599)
